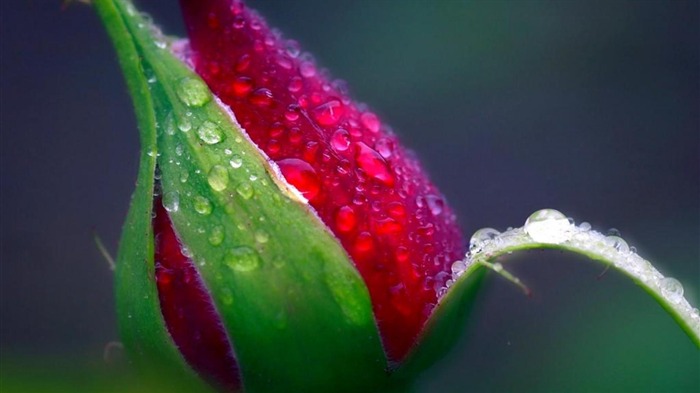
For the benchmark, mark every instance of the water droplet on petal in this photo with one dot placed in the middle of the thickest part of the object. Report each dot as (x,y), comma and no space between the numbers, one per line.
(242,86)
(435,204)
(548,226)
(261,97)
(301,175)
(193,92)
(370,121)
(210,133)
(345,219)
(202,205)
(218,178)
(329,113)
(242,259)
(373,164)
(340,141)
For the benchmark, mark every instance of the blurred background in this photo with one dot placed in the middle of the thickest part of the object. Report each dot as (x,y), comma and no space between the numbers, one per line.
(589,107)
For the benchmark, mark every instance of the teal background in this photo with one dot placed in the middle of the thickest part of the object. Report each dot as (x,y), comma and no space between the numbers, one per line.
(590,107)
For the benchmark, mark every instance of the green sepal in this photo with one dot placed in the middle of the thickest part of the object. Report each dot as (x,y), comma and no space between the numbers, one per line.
(297,312)
(141,324)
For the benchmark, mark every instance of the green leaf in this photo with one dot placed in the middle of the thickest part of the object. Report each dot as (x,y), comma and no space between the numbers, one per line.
(546,229)
(297,312)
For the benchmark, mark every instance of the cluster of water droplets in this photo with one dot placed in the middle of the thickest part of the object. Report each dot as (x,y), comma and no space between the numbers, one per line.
(549,226)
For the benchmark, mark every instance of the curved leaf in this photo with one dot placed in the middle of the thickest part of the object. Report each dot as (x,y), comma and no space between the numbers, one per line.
(446,323)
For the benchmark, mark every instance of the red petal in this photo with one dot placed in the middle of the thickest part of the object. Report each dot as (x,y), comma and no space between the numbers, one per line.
(187,308)
(368,189)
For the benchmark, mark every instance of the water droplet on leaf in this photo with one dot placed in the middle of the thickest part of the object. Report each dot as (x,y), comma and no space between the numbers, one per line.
(548,226)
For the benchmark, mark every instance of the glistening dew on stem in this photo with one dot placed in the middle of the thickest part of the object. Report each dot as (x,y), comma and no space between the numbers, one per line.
(280,237)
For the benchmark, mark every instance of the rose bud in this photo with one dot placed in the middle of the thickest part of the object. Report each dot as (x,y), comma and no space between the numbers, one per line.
(280,237)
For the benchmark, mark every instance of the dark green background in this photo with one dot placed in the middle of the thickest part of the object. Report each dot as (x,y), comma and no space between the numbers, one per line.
(590,107)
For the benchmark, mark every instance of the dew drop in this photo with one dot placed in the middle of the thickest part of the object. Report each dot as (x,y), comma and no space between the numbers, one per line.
(218,178)
(435,204)
(216,235)
(329,113)
(617,243)
(226,296)
(245,190)
(364,242)
(202,205)
(236,161)
(548,226)
(193,92)
(301,175)
(210,133)
(295,84)
(241,86)
(458,268)
(171,201)
(373,164)
(242,259)
(307,69)
(340,141)
(370,121)
(672,288)
(481,237)
(261,97)
(584,226)
(261,236)
(184,125)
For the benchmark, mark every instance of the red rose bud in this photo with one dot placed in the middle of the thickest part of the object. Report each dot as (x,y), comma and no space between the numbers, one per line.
(370,192)
(228,273)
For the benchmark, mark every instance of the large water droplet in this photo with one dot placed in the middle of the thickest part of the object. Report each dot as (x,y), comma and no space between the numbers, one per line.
(329,113)
(435,204)
(548,226)
(210,133)
(373,164)
(301,175)
(242,259)
(202,205)
(340,141)
(458,268)
(617,243)
(261,97)
(481,237)
(242,86)
(171,201)
(193,92)
(370,121)
(216,235)
(245,190)
(672,288)
(218,178)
